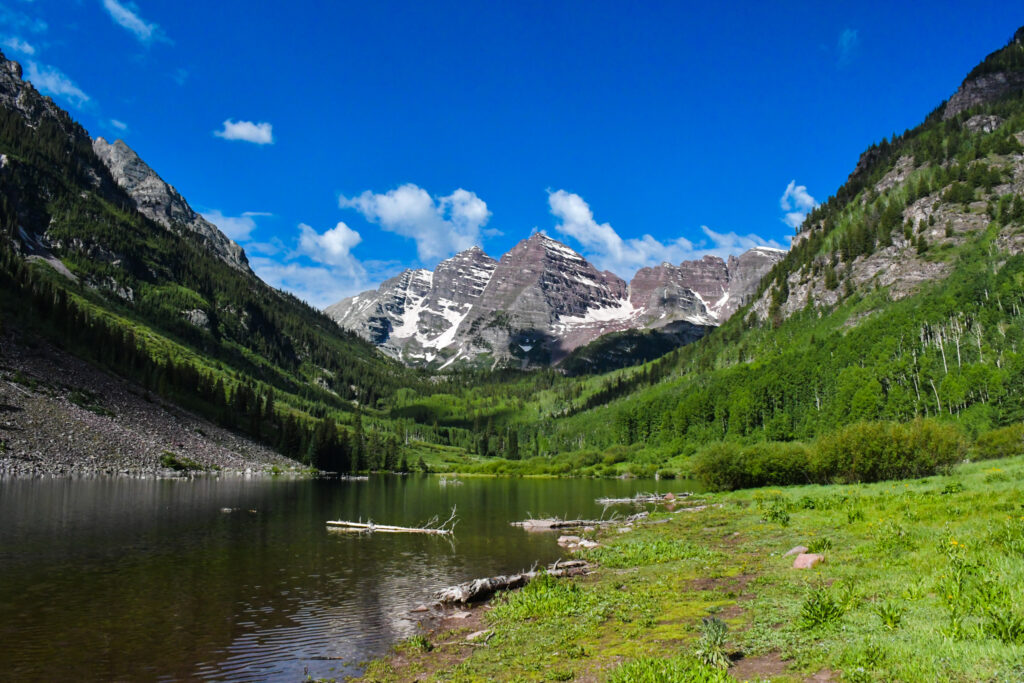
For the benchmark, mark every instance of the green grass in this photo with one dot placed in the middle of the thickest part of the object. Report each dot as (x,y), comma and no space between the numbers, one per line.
(925,582)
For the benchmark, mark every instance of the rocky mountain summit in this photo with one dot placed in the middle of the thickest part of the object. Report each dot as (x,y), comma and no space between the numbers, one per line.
(539,302)
(160,202)
(109,169)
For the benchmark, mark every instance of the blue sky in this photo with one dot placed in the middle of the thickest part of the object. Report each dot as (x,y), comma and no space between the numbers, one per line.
(340,142)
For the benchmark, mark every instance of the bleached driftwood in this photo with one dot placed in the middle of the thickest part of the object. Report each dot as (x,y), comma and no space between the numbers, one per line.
(370,527)
(555,523)
(643,498)
(481,589)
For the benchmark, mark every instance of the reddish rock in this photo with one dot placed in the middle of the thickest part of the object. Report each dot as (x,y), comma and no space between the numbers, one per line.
(807,560)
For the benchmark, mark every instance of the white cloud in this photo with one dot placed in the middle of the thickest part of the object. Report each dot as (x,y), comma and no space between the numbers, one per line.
(237,228)
(52,81)
(321,269)
(847,44)
(319,286)
(127,16)
(332,247)
(603,246)
(120,125)
(18,45)
(797,203)
(441,226)
(257,133)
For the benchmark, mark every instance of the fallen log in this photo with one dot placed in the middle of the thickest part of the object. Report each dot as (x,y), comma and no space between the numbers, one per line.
(555,523)
(643,499)
(481,589)
(370,527)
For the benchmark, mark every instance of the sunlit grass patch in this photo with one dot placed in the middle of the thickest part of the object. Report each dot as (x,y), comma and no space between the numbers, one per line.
(667,670)
(641,552)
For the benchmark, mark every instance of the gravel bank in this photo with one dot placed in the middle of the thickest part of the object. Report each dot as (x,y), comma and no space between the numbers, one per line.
(62,416)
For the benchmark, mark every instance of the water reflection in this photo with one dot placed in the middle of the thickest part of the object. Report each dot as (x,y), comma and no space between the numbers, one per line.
(109,578)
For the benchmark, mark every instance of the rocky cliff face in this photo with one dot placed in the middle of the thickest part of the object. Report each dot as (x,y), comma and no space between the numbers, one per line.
(1001,74)
(415,315)
(160,202)
(538,303)
(109,169)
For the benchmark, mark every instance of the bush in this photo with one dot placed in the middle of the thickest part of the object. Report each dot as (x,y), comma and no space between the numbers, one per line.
(1000,443)
(876,451)
(726,466)
(861,452)
(179,463)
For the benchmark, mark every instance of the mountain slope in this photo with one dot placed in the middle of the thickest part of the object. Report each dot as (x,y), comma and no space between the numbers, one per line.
(901,298)
(542,301)
(123,273)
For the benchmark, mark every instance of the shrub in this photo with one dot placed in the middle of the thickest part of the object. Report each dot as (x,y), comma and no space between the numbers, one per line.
(1000,443)
(711,645)
(876,451)
(178,463)
(819,609)
(726,466)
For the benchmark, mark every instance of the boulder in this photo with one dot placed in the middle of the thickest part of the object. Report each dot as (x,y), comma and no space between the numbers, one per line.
(807,560)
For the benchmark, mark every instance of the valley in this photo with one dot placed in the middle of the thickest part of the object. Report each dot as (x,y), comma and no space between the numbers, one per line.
(859,394)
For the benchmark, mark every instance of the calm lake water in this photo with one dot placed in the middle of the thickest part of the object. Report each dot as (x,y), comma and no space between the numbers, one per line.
(142,579)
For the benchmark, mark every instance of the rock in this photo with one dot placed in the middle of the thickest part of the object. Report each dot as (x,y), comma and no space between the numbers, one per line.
(197,317)
(625,529)
(807,560)
(161,203)
(983,123)
(588,529)
(460,615)
(420,608)
(796,550)
(588,544)
(670,496)
(983,89)
(478,635)
(568,540)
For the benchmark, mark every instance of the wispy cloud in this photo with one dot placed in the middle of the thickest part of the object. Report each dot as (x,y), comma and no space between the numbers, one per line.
(321,269)
(238,228)
(18,45)
(440,226)
(796,202)
(53,81)
(14,20)
(846,45)
(247,131)
(119,125)
(609,251)
(180,76)
(127,16)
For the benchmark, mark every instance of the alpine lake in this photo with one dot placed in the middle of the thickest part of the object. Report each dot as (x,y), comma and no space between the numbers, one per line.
(239,578)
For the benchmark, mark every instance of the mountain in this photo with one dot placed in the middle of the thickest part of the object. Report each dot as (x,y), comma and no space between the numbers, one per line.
(540,302)
(103,258)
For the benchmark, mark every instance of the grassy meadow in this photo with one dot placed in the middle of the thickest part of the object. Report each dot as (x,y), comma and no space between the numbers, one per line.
(923,580)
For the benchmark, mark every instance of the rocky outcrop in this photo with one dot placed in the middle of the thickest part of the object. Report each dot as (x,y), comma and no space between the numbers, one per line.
(160,202)
(982,90)
(416,314)
(541,301)
(991,81)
